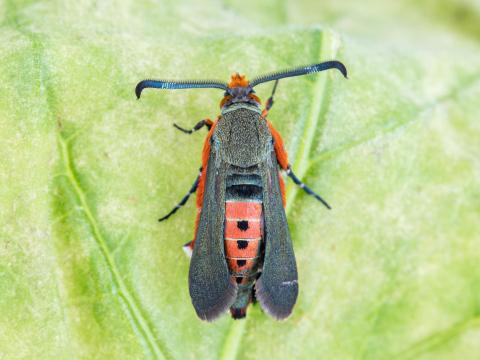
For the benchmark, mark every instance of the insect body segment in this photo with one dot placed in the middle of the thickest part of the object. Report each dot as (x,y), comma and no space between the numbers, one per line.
(243,243)
(242,250)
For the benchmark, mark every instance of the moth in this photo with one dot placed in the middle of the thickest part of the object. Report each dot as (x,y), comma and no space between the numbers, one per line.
(242,251)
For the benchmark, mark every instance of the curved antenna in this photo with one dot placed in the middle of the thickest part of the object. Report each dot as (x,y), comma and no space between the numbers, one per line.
(302,70)
(183,84)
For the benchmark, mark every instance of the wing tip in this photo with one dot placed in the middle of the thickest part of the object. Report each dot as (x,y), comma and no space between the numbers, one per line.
(221,307)
(268,305)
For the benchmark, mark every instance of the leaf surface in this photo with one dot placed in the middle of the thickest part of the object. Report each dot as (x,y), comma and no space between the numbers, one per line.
(86,271)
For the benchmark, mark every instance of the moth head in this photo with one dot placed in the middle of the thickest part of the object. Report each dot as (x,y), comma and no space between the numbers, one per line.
(239,91)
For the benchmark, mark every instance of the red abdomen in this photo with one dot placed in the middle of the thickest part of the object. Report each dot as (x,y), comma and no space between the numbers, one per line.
(243,237)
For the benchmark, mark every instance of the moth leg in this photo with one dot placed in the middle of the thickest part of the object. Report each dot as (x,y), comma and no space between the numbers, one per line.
(269,103)
(184,199)
(205,122)
(309,191)
(280,152)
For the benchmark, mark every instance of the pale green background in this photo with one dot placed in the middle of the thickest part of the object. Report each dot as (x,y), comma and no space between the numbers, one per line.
(86,271)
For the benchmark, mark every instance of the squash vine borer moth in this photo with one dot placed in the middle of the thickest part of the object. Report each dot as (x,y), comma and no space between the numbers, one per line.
(242,251)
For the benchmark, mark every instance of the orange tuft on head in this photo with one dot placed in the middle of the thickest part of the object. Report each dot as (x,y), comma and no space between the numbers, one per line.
(237,80)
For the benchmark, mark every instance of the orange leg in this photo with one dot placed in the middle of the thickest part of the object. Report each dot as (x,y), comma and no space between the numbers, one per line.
(282,156)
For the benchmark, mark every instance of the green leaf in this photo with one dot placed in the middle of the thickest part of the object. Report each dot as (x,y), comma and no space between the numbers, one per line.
(86,271)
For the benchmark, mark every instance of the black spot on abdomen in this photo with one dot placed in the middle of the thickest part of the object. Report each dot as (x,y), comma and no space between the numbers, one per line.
(242,225)
(242,244)
(241,262)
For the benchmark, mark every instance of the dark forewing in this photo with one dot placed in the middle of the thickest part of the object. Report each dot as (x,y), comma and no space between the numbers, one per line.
(211,288)
(277,287)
